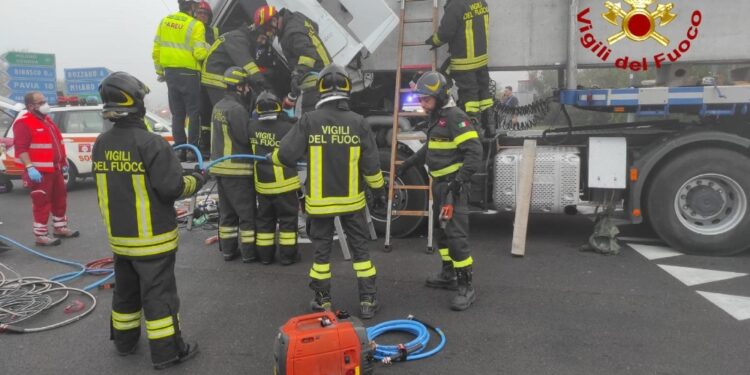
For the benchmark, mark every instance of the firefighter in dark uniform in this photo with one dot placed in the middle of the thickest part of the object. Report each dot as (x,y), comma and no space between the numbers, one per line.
(453,154)
(276,186)
(204,14)
(342,154)
(138,179)
(230,135)
(465,27)
(302,47)
(235,48)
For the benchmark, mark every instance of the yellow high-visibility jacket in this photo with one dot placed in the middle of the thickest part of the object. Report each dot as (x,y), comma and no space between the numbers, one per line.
(180,43)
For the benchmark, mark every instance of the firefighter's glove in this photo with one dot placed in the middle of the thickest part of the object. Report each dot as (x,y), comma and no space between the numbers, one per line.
(200,180)
(34,175)
(380,198)
(430,43)
(455,186)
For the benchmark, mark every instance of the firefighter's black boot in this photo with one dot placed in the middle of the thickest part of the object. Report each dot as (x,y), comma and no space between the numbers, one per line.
(445,279)
(466,294)
(368,306)
(188,352)
(322,301)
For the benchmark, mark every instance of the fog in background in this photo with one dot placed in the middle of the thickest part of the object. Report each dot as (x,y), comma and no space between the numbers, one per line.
(117,35)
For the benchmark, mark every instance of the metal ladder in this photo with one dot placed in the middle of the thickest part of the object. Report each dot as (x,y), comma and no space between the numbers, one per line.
(403,21)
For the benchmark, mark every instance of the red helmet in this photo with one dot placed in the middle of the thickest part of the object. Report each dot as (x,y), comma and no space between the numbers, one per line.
(204,6)
(264,14)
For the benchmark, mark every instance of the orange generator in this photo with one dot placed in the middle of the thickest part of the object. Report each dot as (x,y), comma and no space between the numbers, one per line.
(323,343)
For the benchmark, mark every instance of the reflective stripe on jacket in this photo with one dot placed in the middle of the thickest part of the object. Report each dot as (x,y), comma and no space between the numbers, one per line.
(138,179)
(342,156)
(230,135)
(303,48)
(465,27)
(180,42)
(234,48)
(265,137)
(453,147)
(46,143)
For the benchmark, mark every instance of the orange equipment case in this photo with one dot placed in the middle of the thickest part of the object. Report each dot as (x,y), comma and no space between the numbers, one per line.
(323,343)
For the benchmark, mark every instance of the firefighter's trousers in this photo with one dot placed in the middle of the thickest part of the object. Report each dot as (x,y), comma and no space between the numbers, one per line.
(184,92)
(321,235)
(205,122)
(453,241)
(237,216)
(272,209)
(48,196)
(474,90)
(148,286)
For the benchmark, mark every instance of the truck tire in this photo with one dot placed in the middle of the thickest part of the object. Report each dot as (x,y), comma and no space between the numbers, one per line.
(698,202)
(414,200)
(71,178)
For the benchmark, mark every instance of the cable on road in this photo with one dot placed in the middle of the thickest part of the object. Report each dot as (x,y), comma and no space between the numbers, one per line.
(24,297)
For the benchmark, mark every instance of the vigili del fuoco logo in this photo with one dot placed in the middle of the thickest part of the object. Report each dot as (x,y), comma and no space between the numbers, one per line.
(639,24)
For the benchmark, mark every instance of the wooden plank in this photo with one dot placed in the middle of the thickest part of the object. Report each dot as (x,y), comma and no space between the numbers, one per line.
(409,213)
(414,187)
(523,199)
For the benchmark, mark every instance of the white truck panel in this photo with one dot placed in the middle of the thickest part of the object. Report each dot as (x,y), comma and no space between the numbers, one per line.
(607,162)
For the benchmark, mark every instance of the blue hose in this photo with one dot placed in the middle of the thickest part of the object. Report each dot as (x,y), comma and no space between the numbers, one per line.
(415,348)
(199,157)
(70,275)
(196,151)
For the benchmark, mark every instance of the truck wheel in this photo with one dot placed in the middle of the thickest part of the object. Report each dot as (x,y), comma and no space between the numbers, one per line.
(409,200)
(698,202)
(71,178)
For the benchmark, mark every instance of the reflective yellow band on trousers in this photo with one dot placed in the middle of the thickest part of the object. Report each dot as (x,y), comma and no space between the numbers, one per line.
(123,322)
(464,263)
(265,239)
(320,271)
(445,255)
(364,268)
(160,328)
(288,238)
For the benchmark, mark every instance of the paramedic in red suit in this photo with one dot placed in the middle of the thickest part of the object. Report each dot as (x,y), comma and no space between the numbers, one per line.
(39,149)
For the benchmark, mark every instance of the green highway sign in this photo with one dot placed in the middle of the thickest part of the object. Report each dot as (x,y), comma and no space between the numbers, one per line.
(29,59)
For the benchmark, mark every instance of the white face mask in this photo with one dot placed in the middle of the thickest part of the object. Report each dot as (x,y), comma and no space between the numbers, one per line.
(44,109)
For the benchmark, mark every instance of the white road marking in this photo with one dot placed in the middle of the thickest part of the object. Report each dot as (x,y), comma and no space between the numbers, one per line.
(654,252)
(736,306)
(696,276)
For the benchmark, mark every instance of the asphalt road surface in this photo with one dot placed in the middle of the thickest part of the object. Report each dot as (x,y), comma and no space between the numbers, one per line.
(555,311)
